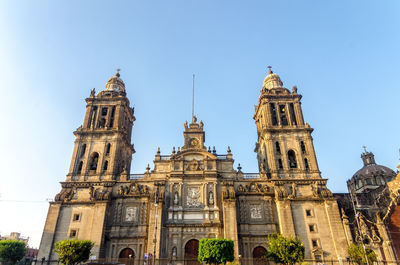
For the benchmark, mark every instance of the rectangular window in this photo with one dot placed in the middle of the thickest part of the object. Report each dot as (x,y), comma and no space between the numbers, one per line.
(73,233)
(312,228)
(314,243)
(104,111)
(76,217)
(308,213)
(292,114)
(273,114)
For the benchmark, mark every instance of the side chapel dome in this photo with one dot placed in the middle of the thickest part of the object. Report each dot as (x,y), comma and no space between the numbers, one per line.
(371,175)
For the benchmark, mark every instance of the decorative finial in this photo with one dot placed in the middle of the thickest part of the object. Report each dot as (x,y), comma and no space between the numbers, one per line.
(214,151)
(158,150)
(209,149)
(269,69)
(173,150)
(148,168)
(117,74)
(229,149)
(239,168)
(365,148)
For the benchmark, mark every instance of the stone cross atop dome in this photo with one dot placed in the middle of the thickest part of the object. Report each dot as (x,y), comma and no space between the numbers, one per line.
(115,83)
(272,80)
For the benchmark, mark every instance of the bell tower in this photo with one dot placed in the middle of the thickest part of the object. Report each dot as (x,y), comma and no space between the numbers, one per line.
(103,148)
(285,147)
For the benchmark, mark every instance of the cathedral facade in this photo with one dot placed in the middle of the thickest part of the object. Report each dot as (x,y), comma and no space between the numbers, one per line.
(194,193)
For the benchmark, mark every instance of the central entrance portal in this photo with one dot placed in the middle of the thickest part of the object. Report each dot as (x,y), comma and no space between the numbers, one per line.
(191,252)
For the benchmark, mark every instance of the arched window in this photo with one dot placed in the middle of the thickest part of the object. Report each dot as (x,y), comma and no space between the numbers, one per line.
(303,147)
(93,161)
(277,147)
(280,165)
(79,170)
(306,164)
(83,150)
(292,159)
(105,166)
(108,148)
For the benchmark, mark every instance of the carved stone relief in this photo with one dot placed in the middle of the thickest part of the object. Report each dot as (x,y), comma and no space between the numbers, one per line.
(193,197)
(130,214)
(255,212)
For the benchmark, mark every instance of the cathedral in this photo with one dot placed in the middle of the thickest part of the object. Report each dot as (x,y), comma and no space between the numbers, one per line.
(194,192)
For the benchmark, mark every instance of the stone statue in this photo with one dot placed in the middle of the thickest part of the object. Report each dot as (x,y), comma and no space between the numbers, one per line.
(176,198)
(211,198)
(185,124)
(92,92)
(294,89)
(201,124)
(194,119)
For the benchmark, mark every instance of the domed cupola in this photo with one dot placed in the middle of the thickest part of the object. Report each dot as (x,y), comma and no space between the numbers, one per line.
(115,83)
(272,80)
(370,176)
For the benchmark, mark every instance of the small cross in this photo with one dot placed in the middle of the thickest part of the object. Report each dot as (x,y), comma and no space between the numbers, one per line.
(269,69)
(365,148)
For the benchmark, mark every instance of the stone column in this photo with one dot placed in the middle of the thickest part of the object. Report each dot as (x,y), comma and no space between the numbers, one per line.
(47,241)
(230,223)
(285,218)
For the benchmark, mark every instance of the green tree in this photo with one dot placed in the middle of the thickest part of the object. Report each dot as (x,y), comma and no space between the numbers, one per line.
(74,251)
(285,250)
(357,254)
(11,251)
(216,250)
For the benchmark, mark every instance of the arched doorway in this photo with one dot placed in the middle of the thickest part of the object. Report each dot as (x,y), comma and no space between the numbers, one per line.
(259,256)
(127,256)
(192,252)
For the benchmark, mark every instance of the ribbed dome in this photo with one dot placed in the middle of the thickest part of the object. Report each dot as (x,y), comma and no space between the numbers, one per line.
(272,80)
(115,83)
(371,175)
(373,170)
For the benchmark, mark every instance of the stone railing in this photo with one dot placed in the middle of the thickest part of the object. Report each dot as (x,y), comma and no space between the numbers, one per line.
(135,176)
(251,175)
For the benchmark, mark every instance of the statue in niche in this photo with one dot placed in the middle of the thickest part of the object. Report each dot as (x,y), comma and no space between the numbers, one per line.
(174,252)
(211,198)
(176,198)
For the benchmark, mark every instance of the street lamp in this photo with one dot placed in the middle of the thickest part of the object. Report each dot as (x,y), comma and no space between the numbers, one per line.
(155,233)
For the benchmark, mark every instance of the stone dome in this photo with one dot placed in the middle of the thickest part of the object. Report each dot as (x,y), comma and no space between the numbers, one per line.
(272,80)
(115,83)
(371,175)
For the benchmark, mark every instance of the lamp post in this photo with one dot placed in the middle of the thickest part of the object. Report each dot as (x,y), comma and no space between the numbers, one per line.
(155,233)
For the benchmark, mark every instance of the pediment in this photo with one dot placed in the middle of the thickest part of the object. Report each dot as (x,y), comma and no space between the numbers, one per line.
(189,155)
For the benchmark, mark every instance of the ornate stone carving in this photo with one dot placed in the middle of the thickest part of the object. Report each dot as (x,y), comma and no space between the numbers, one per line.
(193,165)
(99,194)
(133,189)
(255,212)
(131,214)
(65,195)
(193,197)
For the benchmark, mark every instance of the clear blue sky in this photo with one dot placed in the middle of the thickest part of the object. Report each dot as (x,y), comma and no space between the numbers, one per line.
(343,56)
